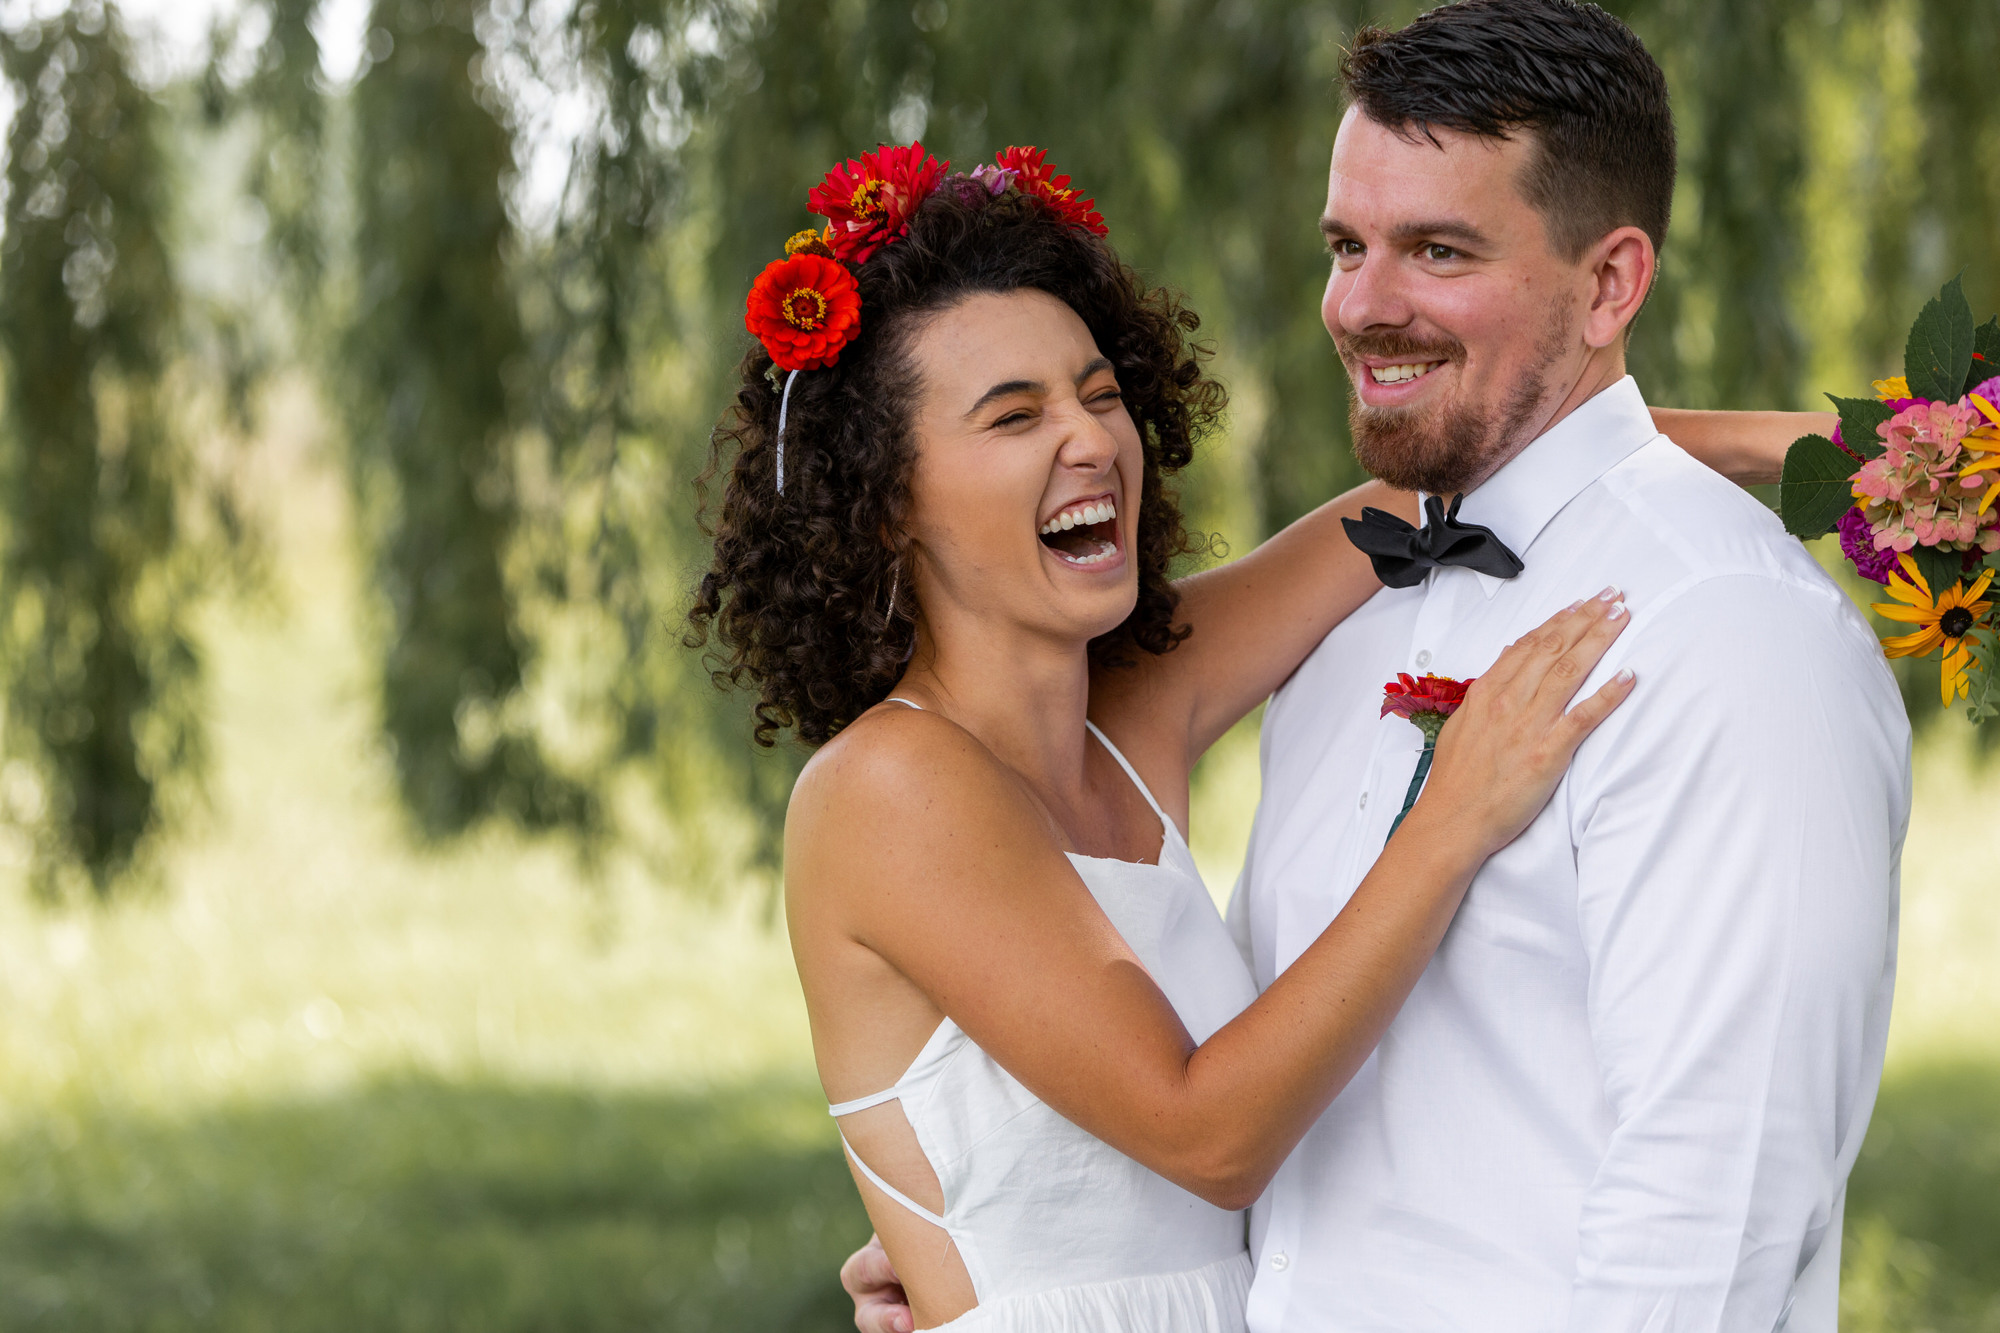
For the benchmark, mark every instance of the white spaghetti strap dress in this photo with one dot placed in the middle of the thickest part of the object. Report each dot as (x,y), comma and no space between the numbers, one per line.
(1059,1232)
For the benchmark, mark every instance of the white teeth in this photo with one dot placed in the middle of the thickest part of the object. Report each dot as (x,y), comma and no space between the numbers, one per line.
(1398,374)
(1104,551)
(1081,517)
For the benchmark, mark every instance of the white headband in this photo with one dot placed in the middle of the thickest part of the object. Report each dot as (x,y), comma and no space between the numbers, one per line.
(783,403)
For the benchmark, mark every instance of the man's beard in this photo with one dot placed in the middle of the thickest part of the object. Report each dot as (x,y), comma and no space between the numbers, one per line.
(1447,448)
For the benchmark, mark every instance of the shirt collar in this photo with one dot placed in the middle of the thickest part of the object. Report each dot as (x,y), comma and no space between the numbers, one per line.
(1532,487)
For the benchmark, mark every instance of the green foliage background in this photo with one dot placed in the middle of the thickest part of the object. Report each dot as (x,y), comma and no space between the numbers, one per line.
(526,403)
(99,670)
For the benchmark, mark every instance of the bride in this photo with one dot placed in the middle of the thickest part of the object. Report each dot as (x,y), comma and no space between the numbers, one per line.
(943,558)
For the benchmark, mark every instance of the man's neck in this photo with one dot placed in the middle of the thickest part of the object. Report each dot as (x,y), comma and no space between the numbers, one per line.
(1604,367)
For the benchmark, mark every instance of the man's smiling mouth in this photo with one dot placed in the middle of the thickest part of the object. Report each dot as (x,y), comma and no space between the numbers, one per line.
(1399,374)
(1084,533)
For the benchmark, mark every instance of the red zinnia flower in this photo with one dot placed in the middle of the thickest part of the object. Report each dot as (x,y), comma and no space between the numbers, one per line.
(1426,702)
(868,201)
(1034,175)
(804,309)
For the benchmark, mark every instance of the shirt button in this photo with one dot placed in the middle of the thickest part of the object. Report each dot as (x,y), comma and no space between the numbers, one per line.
(1279,1263)
(1364,800)
(1423,659)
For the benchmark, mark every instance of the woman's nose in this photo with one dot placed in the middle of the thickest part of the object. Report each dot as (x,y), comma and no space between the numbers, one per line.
(1086,441)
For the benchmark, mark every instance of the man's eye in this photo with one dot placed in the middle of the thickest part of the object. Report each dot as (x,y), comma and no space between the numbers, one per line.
(1107,397)
(1440,254)
(1012,419)
(1345,249)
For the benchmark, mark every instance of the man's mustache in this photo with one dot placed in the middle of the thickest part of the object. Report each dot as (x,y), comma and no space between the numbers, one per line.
(1354,347)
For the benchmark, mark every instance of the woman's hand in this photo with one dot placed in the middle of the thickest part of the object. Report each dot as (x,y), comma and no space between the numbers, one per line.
(880,1305)
(1502,753)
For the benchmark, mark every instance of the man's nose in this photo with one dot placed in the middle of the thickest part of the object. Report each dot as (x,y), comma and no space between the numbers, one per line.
(1367,296)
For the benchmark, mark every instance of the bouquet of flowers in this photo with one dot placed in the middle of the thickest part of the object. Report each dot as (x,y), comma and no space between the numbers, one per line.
(1909,481)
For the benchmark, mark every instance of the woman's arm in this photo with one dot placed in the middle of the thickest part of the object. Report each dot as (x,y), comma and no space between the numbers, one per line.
(1746,447)
(971,901)
(1254,621)
(1256,618)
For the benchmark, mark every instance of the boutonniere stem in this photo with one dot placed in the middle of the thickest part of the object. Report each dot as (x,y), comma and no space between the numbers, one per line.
(1428,703)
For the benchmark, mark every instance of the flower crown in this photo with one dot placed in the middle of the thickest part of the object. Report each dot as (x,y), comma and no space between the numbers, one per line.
(806,307)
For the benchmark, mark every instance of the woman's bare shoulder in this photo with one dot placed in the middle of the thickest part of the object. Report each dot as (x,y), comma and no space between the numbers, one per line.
(895,758)
(901,789)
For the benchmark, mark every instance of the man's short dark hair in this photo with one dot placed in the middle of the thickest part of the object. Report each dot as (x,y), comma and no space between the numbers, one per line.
(1575,76)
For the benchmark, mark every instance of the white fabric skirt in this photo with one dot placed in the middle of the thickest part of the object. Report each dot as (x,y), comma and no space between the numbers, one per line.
(1202,1300)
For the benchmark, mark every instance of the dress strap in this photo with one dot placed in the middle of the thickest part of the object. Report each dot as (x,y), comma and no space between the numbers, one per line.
(890,1094)
(1130,772)
(893,699)
(891,1190)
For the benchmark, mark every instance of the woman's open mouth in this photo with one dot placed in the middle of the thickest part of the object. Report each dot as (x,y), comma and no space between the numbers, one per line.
(1084,533)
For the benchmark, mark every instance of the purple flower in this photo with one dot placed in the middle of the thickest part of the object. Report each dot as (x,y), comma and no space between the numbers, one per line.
(995,179)
(1857,543)
(1989,390)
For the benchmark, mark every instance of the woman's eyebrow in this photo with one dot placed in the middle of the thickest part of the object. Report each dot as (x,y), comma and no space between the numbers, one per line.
(1007,387)
(1003,389)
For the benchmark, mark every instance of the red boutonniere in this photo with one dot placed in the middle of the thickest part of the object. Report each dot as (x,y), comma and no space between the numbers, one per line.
(1428,702)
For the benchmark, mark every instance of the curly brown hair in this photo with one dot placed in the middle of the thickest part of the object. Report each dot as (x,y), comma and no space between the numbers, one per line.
(799,591)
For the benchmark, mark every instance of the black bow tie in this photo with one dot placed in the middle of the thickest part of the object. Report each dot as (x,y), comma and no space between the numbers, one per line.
(1404,554)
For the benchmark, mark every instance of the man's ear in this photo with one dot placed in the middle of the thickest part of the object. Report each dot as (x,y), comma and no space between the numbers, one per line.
(1622,267)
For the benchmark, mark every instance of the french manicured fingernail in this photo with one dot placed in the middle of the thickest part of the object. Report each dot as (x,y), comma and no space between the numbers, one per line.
(1623,678)
(1615,612)
(1576,605)
(1610,594)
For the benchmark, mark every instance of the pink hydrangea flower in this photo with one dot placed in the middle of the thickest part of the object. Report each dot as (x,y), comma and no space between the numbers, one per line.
(1912,495)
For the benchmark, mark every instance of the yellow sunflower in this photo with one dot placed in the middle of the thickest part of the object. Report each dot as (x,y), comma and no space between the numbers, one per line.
(1985,440)
(1943,623)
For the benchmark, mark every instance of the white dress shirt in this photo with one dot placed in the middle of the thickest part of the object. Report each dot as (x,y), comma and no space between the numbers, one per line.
(1625,1095)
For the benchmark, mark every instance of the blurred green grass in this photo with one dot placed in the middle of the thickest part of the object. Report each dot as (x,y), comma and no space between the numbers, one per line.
(427,1204)
(327,1080)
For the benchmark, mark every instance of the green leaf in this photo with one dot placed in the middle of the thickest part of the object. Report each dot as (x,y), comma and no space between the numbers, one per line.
(1858,419)
(1939,568)
(1984,705)
(1940,348)
(1985,355)
(1817,487)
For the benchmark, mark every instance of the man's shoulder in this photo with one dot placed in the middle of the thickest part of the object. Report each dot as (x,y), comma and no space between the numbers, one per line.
(1693,549)
(1697,523)
(1738,635)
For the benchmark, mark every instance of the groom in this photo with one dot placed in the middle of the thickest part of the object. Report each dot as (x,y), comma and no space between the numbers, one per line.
(1626,1094)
